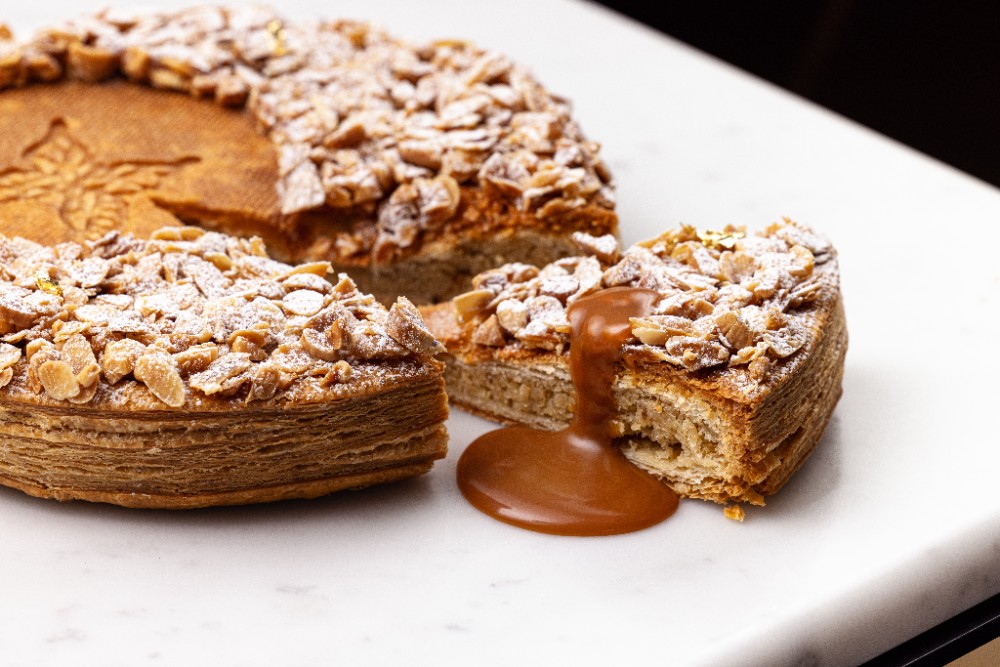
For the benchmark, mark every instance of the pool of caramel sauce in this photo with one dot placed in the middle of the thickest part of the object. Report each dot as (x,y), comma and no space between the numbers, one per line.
(575,481)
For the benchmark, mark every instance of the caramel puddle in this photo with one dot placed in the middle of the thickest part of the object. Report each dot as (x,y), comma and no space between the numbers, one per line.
(575,481)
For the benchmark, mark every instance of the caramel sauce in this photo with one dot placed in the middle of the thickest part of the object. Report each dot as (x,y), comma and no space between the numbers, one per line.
(575,481)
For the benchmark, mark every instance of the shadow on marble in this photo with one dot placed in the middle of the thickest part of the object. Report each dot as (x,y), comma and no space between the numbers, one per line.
(400,497)
(818,478)
(822,476)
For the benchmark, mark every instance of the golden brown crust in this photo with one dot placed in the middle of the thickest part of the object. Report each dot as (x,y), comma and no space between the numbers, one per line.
(170,459)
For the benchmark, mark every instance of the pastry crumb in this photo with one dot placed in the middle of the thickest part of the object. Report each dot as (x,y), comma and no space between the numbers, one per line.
(734,513)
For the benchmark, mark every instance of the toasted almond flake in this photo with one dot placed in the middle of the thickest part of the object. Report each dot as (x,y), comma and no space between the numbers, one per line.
(225,373)
(86,394)
(197,357)
(302,302)
(119,357)
(157,371)
(58,379)
(9,355)
(177,233)
(469,305)
(308,281)
(221,261)
(320,269)
(36,346)
(245,346)
(489,333)
(650,335)
(405,325)
(78,352)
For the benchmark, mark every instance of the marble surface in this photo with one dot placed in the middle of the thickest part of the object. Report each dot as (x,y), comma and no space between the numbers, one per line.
(891,527)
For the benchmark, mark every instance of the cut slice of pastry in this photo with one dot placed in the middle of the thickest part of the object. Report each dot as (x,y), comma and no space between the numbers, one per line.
(192,370)
(413,167)
(727,383)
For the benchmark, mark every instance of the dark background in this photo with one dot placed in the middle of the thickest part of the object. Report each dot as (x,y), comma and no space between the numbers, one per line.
(924,72)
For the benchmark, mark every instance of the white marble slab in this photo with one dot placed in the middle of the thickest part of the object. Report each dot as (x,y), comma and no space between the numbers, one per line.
(893,525)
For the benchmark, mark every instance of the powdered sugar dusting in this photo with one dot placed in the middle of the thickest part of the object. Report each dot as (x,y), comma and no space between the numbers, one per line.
(727,298)
(189,313)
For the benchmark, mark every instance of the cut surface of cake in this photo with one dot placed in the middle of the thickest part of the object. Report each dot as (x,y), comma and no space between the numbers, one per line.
(411,166)
(191,370)
(724,387)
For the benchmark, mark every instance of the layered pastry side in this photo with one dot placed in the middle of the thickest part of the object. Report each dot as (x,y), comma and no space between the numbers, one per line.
(413,167)
(191,370)
(724,385)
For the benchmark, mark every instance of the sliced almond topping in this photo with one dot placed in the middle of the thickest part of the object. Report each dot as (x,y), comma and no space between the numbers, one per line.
(320,269)
(489,333)
(9,355)
(36,346)
(470,304)
(512,315)
(77,351)
(225,373)
(319,345)
(178,233)
(307,281)
(58,379)
(302,302)
(650,335)
(340,373)
(86,394)
(119,357)
(736,334)
(605,248)
(157,371)
(405,325)
(247,346)
(90,64)
(197,357)
(256,337)
(222,261)
(265,382)
(336,334)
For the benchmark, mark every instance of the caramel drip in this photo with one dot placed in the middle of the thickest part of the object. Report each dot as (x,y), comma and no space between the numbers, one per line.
(575,481)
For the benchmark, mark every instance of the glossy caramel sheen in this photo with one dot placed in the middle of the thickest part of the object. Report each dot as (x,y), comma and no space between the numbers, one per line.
(574,481)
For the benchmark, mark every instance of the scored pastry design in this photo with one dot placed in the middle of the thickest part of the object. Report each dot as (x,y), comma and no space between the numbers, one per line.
(191,370)
(724,388)
(413,166)
(87,196)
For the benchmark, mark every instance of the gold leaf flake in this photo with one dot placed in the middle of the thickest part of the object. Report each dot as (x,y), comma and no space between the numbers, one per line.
(716,240)
(277,30)
(47,285)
